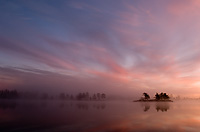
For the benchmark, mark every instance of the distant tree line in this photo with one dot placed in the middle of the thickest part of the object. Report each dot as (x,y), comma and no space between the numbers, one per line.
(83,96)
(8,94)
(14,94)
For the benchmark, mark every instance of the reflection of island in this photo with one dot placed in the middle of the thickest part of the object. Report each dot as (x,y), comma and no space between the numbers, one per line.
(159,106)
(162,97)
(162,107)
(146,106)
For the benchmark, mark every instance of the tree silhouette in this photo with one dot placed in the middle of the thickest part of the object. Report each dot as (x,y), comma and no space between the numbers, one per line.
(161,96)
(14,94)
(45,96)
(71,97)
(67,96)
(98,96)
(103,95)
(165,96)
(146,96)
(87,96)
(62,96)
(157,96)
(94,97)
(79,96)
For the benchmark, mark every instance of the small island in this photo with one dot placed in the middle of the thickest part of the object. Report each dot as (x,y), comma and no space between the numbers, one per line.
(162,97)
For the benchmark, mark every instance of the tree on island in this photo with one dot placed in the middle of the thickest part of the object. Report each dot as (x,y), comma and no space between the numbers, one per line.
(158,97)
(162,96)
(146,96)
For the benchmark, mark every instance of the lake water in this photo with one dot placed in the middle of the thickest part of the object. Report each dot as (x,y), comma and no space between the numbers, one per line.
(103,116)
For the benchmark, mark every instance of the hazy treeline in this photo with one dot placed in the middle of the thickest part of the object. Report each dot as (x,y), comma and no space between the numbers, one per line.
(9,94)
(14,94)
(86,96)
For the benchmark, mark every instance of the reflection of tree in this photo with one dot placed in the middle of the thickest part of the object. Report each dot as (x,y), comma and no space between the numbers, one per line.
(62,105)
(95,96)
(83,106)
(45,96)
(86,106)
(162,107)
(99,106)
(146,106)
(44,104)
(159,106)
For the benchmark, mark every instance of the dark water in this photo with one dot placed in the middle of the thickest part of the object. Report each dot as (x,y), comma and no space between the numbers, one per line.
(112,116)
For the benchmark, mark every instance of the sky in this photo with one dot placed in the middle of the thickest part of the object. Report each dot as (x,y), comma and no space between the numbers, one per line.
(122,47)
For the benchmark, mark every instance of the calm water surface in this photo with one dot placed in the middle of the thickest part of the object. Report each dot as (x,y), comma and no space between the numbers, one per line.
(112,116)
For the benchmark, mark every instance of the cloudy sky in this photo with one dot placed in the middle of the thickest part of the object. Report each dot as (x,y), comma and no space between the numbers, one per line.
(114,46)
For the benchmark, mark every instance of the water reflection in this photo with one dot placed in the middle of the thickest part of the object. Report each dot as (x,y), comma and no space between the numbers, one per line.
(146,106)
(31,105)
(159,106)
(162,107)
(82,106)
(8,105)
(96,116)
(99,106)
(44,104)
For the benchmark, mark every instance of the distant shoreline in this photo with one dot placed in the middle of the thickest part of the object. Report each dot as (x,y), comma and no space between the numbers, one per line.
(152,100)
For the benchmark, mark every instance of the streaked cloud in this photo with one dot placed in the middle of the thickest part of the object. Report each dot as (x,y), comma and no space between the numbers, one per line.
(132,45)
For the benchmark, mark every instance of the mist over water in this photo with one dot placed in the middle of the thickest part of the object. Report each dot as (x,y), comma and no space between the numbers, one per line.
(99,116)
